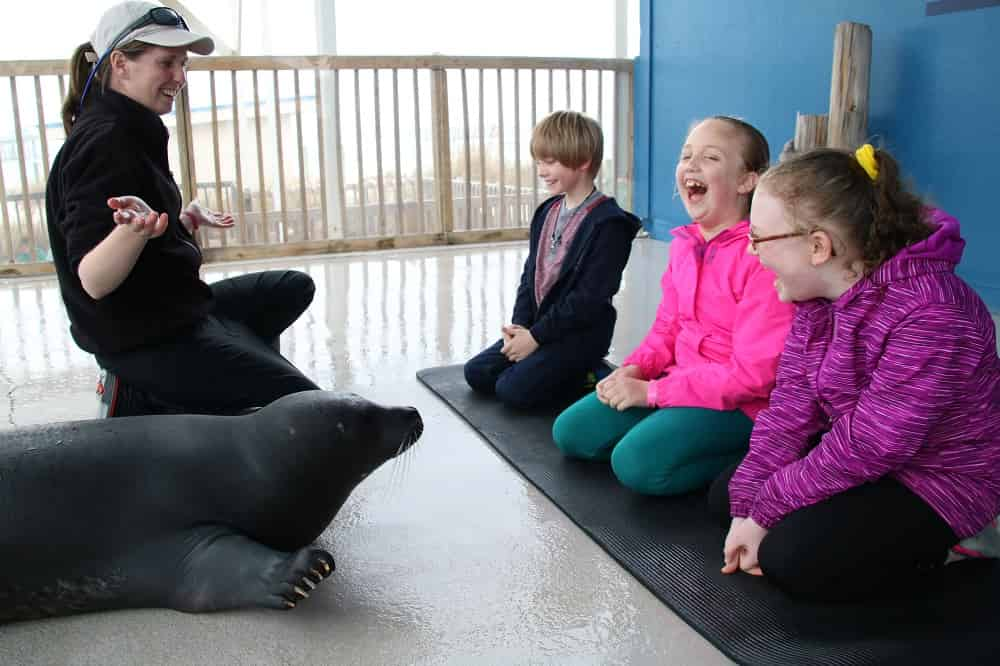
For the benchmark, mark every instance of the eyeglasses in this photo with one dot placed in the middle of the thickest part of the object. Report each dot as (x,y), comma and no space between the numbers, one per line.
(156,15)
(757,240)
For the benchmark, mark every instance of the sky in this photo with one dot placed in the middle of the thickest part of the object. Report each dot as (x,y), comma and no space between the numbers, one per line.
(569,28)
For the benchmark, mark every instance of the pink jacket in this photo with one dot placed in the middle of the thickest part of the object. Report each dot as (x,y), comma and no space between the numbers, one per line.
(719,329)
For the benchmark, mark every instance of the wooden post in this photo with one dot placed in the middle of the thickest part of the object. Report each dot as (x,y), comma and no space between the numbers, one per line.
(442,148)
(849,85)
(810,132)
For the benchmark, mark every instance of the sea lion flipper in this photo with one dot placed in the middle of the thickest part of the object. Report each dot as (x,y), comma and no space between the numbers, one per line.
(219,569)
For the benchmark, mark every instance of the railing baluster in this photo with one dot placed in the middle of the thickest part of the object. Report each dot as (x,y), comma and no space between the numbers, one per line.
(500,206)
(380,181)
(62,87)
(420,170)
(321,156)
(25,193)
(362,198)
(617,135)
(600,121)
(282,198)
(340,152)
(583,89)
(306,225)
(260,161)
(215,149)
(442,152)
(44,140)
(482,151)
(8,232)
(517,146)
(551,91)
(468,154)
(185,148)
(42,134)
(534,121)
(400,229)
(569,101)
(245,235)
(629,143)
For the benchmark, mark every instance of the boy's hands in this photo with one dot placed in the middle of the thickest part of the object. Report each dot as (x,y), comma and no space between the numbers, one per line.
(134,213)
(518,342)
(196,215)
(623,389)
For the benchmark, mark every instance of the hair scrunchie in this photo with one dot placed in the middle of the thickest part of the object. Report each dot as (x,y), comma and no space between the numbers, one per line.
(865,155)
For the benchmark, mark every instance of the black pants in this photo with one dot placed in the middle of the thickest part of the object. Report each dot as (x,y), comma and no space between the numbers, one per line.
(229,361)
(555,372)
(873,540)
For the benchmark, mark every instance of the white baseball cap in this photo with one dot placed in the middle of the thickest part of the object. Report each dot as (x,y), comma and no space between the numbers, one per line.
(155,24)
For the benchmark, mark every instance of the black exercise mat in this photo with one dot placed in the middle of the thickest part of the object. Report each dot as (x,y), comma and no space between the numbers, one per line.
(674,548)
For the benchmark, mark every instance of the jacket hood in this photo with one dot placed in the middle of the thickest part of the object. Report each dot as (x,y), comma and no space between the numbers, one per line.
(945,244)
(609,209)
(938,253)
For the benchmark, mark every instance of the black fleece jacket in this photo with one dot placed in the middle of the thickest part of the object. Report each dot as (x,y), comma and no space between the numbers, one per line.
(579,302)
(119,147)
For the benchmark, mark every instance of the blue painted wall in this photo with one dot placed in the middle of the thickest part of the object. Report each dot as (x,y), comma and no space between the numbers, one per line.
(935,97)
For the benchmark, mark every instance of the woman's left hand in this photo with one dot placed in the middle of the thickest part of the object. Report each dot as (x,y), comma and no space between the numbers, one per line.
(623,392)
(196,215)
(742,544)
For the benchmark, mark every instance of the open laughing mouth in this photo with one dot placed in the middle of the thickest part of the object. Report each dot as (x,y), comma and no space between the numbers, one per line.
(695,189)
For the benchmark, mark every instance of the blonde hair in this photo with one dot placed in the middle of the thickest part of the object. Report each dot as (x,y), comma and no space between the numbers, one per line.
(571,138)
(825,186)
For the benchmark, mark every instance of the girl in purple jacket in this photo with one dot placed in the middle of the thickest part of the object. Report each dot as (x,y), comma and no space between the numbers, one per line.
(880,449)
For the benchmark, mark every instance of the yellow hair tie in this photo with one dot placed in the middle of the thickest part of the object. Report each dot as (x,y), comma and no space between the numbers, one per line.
(865,155)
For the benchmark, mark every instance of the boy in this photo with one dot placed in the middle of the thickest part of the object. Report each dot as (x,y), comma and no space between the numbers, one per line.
(580,242)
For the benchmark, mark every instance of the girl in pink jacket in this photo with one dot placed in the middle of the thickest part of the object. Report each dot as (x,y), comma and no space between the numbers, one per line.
(681,407)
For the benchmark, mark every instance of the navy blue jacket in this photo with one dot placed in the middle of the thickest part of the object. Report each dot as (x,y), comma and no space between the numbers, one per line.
(579,302)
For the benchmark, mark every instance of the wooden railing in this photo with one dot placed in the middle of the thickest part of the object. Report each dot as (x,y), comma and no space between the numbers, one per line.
(318,154)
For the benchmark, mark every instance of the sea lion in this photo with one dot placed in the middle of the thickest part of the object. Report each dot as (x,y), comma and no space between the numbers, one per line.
(194,513)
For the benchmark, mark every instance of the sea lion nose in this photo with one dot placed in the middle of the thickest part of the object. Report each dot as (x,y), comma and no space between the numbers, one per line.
(413,415)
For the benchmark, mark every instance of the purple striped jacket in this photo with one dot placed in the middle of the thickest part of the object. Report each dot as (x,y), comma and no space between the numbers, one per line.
(901,376)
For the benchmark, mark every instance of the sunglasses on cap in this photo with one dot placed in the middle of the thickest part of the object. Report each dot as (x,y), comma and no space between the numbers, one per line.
(157,15)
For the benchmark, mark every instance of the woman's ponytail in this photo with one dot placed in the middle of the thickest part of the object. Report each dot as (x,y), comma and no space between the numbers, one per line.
(79,70)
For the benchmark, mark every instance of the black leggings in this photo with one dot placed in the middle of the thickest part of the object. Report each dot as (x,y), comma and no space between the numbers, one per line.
(229,360)
(875,539)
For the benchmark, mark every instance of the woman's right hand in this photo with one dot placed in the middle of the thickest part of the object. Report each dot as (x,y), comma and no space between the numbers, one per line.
(134,213)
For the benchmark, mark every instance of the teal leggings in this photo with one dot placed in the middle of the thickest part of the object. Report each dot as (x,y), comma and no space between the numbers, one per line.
(654,451)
